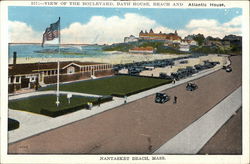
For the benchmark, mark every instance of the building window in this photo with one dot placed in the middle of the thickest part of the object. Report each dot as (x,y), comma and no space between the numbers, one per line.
(17,79)
(71,70)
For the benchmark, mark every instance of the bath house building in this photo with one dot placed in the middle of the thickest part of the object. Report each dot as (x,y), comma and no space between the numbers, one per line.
(32,75)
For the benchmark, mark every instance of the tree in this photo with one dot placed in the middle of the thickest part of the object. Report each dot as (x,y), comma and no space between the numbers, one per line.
(199,38)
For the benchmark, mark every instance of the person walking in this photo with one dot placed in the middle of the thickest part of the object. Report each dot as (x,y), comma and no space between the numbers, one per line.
(90,105)
(175,99)
(174,81)
(99,101)
(125,99)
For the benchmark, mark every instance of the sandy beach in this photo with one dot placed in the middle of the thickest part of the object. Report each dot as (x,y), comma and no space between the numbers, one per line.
(112,57)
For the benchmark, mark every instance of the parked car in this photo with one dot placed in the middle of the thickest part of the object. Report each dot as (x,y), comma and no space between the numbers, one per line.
(165,76)
(191,87)
(161,98)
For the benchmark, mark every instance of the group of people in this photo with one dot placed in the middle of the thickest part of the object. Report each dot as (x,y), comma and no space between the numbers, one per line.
(90,104)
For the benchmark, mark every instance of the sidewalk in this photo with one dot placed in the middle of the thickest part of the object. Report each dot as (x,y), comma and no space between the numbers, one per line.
(197,134)
(32,124)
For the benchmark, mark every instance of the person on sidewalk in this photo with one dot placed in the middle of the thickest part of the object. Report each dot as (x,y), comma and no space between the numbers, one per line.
(174,81)
(175,99)
(99,101)
(125,99)
(90,105)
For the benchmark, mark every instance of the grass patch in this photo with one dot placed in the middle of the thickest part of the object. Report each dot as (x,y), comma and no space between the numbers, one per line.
(117,85)
(37,103)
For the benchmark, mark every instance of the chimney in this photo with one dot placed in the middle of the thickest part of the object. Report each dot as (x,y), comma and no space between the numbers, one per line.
(14,58)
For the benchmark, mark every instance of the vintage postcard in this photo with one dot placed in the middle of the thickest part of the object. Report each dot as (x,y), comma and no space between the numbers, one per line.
(124,82)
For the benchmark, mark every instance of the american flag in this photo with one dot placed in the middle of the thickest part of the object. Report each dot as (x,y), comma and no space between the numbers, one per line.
(51,32)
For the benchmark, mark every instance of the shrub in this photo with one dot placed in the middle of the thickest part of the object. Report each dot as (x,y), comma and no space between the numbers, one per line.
(12,124)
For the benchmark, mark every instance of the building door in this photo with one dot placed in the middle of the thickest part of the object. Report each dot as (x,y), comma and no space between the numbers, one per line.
(40,77)
(24,82)
(92,72)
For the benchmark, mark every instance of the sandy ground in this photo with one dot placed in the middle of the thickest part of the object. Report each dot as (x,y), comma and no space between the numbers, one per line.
(113,58)
(228,139)
(139,127)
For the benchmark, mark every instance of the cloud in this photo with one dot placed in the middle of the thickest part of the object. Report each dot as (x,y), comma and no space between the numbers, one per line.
(20,32)
(235,22)
(211,27)
(204,23)
(107,30)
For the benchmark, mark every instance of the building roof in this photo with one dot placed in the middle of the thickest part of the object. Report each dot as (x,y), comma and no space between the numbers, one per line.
(149,48)
(163,36)
(28,68)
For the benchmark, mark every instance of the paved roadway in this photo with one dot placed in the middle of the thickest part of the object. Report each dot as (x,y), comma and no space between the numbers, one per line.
(138,127)
(196,135)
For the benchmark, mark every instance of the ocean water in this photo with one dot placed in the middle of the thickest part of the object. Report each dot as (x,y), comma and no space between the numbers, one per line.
(31,53)
(51,51)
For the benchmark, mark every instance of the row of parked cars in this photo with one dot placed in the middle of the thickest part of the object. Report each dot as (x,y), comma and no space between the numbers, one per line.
(188,71)
(143,65)
(137,67)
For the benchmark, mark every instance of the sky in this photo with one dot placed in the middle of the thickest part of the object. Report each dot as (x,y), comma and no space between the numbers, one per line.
(111,25)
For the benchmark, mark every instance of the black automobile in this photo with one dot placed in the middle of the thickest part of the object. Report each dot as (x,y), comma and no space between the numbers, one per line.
(161,98)
(228,69)
(191,87)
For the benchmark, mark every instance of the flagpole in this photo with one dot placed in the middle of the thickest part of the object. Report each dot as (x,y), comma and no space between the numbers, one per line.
(58,66)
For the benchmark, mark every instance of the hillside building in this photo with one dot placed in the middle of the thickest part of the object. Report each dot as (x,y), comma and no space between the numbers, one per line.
(159,36)
(144,50)
(131,38)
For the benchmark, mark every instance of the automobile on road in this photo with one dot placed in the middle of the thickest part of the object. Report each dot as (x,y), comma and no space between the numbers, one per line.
(228,69)
(161,98)
(191,87)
